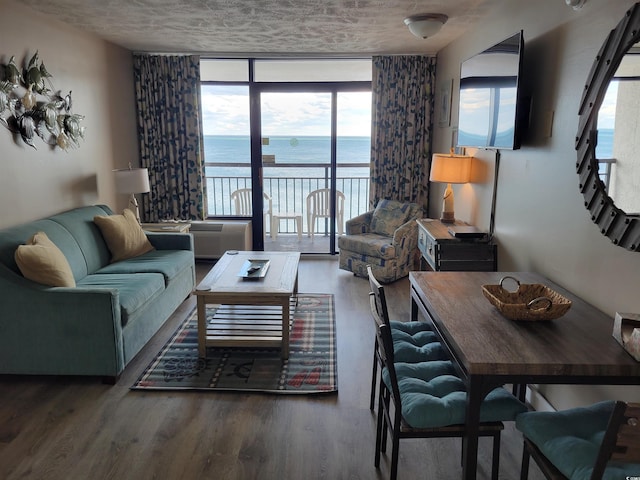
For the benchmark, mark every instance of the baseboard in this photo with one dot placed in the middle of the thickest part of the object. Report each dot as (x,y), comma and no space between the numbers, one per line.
(538,401)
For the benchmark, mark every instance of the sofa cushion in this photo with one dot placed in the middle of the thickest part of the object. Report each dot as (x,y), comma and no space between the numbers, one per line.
(433,396)
(124,235)
(167,262)
(41,261)
(388,216)
(89,242)
(368,244)
(135,290)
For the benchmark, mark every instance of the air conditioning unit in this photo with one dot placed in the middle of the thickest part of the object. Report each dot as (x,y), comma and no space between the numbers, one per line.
(212,238)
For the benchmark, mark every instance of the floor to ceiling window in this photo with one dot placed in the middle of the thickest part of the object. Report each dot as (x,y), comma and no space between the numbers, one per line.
(287,144)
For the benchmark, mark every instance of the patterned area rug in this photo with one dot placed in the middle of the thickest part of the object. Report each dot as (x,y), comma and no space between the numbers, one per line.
(310,368)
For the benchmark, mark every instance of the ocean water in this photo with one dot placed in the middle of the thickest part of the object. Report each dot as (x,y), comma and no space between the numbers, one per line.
(287,150)
(288,194)
(604,149)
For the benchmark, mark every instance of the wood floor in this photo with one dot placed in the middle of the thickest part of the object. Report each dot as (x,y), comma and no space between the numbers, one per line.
(77,428)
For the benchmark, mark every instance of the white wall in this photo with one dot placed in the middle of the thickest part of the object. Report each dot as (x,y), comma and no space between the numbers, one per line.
(541,224)
(37,183)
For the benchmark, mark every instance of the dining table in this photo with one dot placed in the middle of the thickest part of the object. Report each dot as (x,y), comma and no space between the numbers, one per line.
(489,350)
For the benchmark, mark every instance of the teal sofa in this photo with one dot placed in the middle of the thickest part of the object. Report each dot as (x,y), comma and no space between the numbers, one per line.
(99,326)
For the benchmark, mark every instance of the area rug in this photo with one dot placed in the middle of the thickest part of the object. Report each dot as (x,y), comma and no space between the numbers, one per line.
(310,368)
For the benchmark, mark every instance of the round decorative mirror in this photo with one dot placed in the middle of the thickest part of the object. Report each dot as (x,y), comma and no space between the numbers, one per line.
(616,59)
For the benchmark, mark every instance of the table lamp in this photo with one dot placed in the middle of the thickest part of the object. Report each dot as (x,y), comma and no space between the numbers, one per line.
(449,168)
(132,181)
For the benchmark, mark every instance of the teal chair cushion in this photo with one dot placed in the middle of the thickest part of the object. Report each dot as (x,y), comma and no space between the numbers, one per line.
(405,352)
(415,342)
(433,396)
(410,327)
(570,439)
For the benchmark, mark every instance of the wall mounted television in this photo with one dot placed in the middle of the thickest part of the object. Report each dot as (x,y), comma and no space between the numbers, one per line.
(491,103)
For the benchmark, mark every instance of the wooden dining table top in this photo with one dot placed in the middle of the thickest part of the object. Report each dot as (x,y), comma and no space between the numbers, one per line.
(575,348)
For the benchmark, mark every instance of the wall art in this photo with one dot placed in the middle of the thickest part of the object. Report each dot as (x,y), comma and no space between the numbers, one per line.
(30,107)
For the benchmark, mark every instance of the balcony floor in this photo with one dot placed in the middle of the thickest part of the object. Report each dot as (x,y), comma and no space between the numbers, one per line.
(289,242)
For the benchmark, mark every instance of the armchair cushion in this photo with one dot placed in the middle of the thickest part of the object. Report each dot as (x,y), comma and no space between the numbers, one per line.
(369,244)
(359,224)
(388,216)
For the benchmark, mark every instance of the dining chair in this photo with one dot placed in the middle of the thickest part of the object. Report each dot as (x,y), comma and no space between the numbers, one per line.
(243,205)
(428,400)
(600,441)
(319,206)
(412,341)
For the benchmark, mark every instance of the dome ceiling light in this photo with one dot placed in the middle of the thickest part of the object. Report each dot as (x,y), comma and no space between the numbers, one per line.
(426,24)
(576,4)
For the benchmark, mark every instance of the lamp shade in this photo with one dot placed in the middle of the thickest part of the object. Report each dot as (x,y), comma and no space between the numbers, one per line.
(132,180)
(450,168)
(425,25)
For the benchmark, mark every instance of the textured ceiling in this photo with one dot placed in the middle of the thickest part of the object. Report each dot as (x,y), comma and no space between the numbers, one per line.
(263,27)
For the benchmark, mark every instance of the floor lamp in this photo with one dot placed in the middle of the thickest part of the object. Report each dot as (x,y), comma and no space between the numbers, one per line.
(132,181)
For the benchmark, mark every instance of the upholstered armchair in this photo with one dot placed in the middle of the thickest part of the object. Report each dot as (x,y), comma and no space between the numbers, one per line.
(385,238)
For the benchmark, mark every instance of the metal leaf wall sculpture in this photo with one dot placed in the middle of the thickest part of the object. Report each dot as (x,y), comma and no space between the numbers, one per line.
(31,107)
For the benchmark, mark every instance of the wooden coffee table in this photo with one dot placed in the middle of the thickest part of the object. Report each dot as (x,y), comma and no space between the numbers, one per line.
(253,312)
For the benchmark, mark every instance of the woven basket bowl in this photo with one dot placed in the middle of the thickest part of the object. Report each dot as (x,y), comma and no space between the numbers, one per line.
(530,302)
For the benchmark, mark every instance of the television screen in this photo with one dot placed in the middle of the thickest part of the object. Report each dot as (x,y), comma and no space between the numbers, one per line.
(490,103)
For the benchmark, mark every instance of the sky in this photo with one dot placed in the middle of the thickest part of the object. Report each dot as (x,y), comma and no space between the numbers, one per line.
(226,112)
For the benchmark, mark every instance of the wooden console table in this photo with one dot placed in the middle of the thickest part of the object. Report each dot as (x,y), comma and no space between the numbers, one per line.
(442,252)
(489,350)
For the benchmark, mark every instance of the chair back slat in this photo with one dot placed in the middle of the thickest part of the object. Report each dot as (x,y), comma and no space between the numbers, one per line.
(621,442)
(384,339)
(385,346)
(380,313)
(627,447)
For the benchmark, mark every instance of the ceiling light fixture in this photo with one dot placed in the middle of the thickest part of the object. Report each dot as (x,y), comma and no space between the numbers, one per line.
(426,24)
(576,4)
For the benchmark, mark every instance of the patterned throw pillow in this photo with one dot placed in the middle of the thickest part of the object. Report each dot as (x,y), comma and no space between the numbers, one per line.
(41,261)
(124,235)
(388,216)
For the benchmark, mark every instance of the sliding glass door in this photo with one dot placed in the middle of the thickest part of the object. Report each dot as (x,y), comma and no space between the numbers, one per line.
(297,145)
(297,167)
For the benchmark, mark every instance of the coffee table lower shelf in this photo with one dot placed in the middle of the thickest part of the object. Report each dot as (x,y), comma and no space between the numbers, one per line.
(248,326)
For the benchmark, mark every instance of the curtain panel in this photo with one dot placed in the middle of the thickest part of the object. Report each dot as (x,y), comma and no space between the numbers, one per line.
(402,128)
(167,92)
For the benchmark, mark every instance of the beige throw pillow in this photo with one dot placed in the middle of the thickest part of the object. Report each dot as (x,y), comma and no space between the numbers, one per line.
(124,235)
(41,261)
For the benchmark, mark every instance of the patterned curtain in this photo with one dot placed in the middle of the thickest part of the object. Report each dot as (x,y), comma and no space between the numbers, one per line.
(402,128)
(170,136)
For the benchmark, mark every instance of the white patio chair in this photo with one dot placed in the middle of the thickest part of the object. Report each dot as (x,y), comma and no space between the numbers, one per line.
(319,206)
(243,205)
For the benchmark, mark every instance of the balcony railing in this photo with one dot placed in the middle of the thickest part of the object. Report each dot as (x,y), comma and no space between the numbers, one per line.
(288,192)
